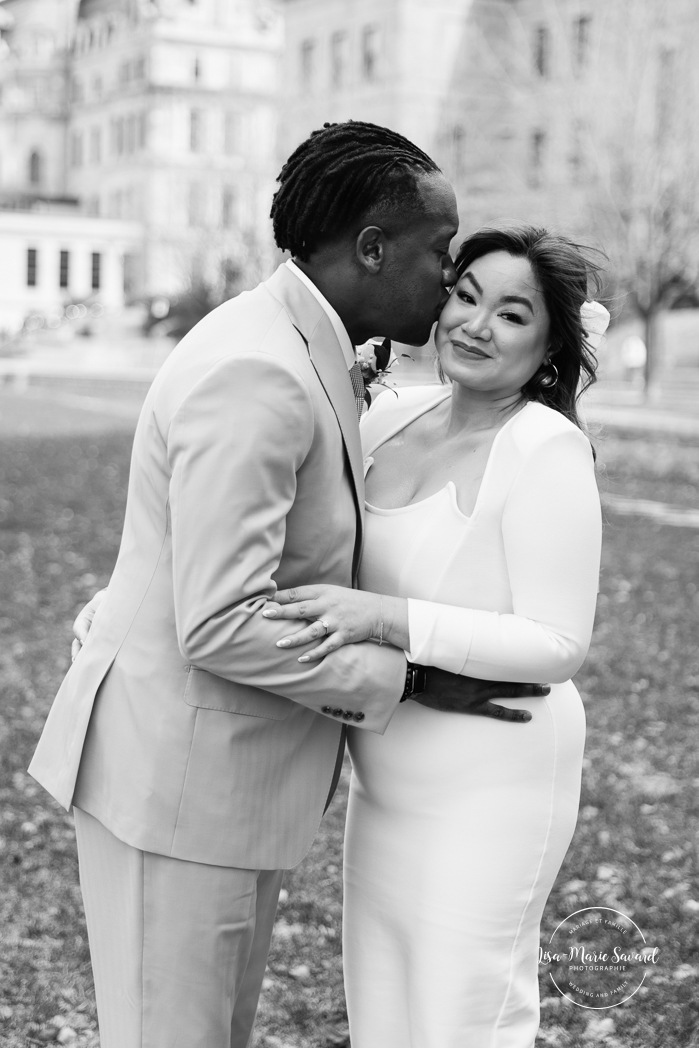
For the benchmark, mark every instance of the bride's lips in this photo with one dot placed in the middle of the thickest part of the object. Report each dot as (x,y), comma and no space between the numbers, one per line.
(470,351)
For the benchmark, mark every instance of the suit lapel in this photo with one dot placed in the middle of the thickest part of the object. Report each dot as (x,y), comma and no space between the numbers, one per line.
(314,326)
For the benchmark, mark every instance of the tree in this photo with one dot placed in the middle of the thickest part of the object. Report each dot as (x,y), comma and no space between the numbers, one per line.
(644,168)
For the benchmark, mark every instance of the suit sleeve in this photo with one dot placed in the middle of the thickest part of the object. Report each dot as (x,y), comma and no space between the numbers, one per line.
(234,448)
(551,529)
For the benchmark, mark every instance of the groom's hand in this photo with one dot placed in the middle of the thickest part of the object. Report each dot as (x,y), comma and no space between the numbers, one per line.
(454,693)
(83,623)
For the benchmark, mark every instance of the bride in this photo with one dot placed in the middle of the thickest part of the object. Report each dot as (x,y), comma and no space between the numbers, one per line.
(483,541)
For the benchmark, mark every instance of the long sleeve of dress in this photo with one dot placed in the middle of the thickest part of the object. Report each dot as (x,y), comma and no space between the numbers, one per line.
(551,535)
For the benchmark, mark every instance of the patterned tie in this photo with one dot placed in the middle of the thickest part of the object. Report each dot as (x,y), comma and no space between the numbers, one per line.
(355,373)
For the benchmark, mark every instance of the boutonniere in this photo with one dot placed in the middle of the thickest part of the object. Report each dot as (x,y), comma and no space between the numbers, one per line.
(376,358)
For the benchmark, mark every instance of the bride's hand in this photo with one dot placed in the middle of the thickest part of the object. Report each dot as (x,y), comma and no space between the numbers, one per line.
(336,615)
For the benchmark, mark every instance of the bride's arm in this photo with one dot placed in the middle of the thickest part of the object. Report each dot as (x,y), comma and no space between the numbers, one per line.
(552,534)
(551,531)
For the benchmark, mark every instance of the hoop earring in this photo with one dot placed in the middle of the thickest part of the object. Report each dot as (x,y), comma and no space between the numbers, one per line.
(547,376)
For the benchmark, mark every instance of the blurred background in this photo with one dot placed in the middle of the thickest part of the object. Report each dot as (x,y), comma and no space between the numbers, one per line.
(140,141)
(139,145)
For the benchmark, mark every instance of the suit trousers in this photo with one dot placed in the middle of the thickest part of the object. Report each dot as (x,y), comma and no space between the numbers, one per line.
(178,948)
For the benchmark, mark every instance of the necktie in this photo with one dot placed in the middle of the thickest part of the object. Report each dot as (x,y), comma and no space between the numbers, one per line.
(355,373)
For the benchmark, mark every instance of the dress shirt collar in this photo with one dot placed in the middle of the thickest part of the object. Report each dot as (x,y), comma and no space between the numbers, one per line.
(338,327)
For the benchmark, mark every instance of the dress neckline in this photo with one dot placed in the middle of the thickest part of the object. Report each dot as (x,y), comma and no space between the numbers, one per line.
(450,487)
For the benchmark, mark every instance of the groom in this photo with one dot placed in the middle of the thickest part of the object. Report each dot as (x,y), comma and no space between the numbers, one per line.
(197,754)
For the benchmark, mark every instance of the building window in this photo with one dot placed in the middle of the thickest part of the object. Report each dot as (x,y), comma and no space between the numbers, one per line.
(195,205)
(536,158)
(228,207)
(95,145)
(196,69)
(142,130)
(666,93)
(130,130)
(32,264)
(308,51)
(196,130)
(76,149)
(371,44)
(458,145)
(581,41)
(64,269)
(96,270)
(232,133)
(35,168)
(542,56)
(117,129)
(576,157)
(338,60)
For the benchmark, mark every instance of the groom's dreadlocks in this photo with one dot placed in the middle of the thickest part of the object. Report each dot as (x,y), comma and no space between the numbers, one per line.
(337,175)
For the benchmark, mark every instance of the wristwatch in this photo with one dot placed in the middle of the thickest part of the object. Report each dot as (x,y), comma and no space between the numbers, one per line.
(415,681)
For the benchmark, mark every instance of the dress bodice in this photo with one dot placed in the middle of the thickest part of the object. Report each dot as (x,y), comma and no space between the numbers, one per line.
(508,592)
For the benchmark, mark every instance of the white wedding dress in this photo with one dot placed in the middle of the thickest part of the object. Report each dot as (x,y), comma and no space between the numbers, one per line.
(458,824)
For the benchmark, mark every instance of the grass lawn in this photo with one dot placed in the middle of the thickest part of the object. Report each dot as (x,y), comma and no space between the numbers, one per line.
(62,490)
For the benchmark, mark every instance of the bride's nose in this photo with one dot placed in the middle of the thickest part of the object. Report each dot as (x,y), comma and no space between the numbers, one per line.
(477,326)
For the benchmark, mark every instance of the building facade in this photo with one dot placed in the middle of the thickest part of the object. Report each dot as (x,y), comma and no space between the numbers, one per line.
(146,127)
(528,106)
(173,123)
(172,117)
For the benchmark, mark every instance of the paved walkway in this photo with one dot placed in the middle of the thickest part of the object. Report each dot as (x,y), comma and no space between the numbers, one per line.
(663,512)
(103,370)
(84,388)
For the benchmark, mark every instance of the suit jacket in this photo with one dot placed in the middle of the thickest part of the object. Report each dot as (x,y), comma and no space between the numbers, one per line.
(181,726)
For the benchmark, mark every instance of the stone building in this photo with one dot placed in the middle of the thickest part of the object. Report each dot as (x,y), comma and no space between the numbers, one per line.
(173,117)
(529,106)
(139,134)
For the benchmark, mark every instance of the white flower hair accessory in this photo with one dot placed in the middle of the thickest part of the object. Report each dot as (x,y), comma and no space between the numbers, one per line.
(595,321)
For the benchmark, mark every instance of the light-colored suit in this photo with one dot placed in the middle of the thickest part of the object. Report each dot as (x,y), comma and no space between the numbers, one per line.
(181,727)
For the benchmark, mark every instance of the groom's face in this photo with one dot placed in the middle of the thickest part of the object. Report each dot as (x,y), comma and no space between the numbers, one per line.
(419,268)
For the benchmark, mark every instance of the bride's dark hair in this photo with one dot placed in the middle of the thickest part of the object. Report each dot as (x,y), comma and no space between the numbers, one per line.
(568,276)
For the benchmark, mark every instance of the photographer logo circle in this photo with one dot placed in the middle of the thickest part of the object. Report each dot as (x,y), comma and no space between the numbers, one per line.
(598,957)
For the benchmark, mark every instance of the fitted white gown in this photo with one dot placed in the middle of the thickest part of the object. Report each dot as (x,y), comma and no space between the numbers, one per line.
(458,824)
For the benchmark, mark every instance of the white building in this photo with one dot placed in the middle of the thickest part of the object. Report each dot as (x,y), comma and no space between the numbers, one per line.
(139,132)
(52,259)
(172,123)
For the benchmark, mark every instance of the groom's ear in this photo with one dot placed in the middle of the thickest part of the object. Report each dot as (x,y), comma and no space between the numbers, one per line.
(370,249)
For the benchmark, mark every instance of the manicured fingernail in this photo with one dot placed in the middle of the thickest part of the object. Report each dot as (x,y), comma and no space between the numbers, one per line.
(283,643)
(305,658)
(269,614)
(541,689)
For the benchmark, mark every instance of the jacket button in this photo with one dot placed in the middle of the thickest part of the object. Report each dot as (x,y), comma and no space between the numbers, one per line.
(326,709)
(347,714)
(337,712)
(359,716)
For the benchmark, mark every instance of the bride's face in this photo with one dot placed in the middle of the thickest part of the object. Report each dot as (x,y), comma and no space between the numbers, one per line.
(493,333)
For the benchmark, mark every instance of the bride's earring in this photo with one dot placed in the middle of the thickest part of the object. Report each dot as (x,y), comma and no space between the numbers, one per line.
(546,377)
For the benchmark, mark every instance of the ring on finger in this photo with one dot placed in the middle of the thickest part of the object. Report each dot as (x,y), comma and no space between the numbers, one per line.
(325,626)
